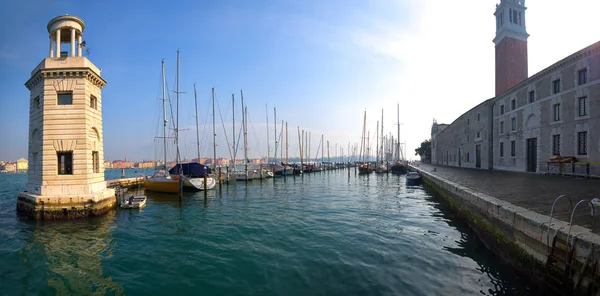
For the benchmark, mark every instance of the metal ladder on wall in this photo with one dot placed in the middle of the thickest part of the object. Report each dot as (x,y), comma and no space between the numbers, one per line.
(559,263)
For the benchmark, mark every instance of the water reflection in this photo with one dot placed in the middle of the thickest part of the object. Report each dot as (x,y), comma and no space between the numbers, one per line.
(73,253)
(469,246)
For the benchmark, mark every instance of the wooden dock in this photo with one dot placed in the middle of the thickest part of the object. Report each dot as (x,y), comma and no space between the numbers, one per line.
(125,182)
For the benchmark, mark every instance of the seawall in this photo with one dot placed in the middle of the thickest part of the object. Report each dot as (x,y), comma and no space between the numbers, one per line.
(518,235)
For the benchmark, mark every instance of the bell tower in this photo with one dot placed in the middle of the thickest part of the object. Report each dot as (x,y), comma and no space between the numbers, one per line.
(66,167)
(511,44)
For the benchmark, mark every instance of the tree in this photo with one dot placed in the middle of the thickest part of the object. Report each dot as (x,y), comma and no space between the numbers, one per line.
(424,150)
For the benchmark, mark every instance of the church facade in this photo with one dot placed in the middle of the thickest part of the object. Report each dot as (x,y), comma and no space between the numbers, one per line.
(553,113)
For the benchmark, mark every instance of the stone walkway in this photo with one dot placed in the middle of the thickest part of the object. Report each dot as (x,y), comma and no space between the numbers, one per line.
(532,191)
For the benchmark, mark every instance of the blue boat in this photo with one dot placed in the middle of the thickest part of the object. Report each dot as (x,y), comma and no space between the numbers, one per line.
(413,179)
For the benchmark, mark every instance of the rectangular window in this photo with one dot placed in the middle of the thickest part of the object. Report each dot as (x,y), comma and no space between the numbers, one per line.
(513,124)
(520,22)
(510,15)
(501,109)
(65,98)
(468,121)
(514,16)
(582,143)
(513,104)
(582,77)
(65,163)
(478,116)
(93,102)
(556,86)
(478,135)
(532,96)
(96,161)
(501,127)
(556,112)
(556,145)
(501,149)
(581,106)
(36,102)
(512,148)
(467,156)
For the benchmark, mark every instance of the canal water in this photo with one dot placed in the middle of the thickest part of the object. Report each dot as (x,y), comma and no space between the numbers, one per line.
(318,234)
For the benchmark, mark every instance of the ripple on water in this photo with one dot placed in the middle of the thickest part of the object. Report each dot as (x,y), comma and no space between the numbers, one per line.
(321,234)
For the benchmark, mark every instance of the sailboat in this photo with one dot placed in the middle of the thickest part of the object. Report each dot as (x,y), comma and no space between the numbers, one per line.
(364,167)
(398,168)
(194,173)
(161,181)
(381,166)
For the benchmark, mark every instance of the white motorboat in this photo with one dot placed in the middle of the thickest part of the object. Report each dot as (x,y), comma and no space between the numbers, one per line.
(134,202)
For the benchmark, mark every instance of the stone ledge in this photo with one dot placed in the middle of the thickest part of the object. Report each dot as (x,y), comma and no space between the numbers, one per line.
(65,207)
(528,229)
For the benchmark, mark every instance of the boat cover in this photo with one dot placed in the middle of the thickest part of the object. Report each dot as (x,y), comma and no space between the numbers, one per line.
(192,169)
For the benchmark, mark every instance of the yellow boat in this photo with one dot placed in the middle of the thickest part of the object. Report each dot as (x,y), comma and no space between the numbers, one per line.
(162,183)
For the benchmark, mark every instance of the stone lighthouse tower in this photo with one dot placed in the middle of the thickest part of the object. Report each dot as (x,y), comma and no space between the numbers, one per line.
(66,173)
(511,44)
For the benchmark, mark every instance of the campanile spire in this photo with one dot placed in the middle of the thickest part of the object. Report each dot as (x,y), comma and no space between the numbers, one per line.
(511,44)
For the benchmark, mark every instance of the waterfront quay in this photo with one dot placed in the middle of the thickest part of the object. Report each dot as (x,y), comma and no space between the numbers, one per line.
(511,212)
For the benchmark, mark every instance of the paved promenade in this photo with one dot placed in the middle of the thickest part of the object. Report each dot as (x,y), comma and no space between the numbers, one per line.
(532,191)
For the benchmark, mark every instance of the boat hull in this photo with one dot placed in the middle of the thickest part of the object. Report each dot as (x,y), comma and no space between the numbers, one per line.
(137,203)
(398,169)
(413,179)
(197,184)
(162,185)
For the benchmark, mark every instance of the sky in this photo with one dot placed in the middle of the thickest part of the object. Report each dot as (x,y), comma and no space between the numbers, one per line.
(321,64)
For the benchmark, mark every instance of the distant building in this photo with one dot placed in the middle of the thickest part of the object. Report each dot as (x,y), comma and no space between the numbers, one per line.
(22,165)
(145,165)
(10,167)
(122,164)
(107,164)
(531,119)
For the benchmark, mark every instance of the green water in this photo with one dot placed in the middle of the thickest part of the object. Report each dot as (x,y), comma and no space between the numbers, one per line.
(320,234)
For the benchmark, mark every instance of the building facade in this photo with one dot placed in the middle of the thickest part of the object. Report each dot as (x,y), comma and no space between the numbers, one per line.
(531,120)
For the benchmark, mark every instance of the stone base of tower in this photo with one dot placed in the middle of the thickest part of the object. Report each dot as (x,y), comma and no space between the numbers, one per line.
(65,207)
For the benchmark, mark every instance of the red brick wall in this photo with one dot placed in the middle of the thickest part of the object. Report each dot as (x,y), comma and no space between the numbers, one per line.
(506,49)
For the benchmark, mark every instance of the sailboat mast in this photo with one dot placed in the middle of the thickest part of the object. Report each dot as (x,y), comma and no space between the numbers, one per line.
(398,118)
(377,144)
(164,99)
(197,131)
(244,125)
(214,133)
(268,146)
(322,151)
(275,133)
(287,146)
(234,147)
(177,122)
(300,144)
(382,149)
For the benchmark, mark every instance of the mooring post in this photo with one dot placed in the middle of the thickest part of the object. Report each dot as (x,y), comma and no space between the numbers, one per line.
(220,180)
(227,168)
(205,180)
